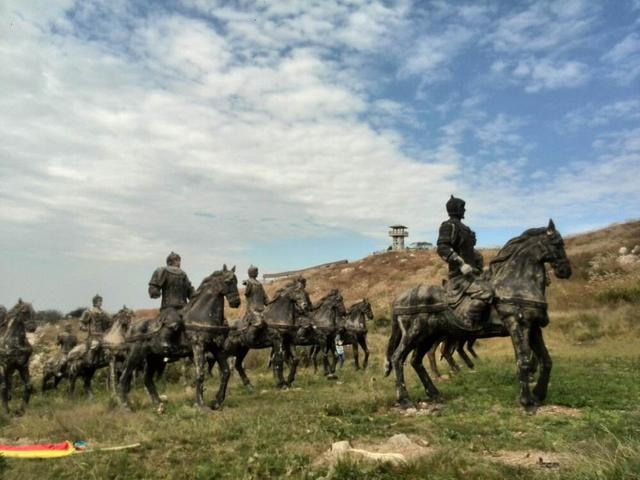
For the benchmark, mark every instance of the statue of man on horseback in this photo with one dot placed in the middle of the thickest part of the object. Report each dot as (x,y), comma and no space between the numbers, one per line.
(95,321)
(254,291)
(467,292)
(66,340)
(172,284)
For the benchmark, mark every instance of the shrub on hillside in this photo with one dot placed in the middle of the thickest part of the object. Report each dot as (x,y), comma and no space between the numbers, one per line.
(620,294)
(47,316)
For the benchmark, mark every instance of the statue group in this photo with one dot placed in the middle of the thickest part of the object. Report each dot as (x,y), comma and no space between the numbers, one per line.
(506,299)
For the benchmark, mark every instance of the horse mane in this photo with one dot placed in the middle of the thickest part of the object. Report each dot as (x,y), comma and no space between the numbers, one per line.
(320,302)
(356,306)
(512,247)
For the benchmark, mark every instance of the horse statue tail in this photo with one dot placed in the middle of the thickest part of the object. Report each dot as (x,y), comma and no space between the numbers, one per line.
(394,341)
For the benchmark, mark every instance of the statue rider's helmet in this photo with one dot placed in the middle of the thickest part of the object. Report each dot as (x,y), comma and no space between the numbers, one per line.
(456,207)
(97,300)
(173,258)
(252,271)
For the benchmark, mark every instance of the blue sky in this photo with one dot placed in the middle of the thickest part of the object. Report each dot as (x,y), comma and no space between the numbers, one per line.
(292,133)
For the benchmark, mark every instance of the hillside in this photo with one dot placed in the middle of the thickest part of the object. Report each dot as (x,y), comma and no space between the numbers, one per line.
(381,277)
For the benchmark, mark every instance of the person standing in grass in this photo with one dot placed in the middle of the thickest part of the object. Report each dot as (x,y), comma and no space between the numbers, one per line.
(339,350)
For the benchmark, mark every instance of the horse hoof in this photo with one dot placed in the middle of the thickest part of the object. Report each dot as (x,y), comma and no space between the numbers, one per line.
(331,376)
(404,404)
(249,388)
(215,406)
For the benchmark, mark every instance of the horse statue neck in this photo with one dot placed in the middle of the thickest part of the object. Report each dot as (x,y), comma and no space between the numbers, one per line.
(324,315)
(520,273)
(14,331)
(116,333)
(281,309)
(357,317)
(207,306)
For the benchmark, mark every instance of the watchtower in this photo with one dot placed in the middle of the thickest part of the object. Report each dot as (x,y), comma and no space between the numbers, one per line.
(398,234)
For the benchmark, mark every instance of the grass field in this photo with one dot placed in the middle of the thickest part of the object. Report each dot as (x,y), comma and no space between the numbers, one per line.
(271,434)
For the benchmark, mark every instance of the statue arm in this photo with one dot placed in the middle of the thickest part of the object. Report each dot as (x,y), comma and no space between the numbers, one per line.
(155,284)
(85,319)
(479,260)
(190,290)
(445,242)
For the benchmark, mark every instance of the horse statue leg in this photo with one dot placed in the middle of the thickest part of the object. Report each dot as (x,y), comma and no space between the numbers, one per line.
(416,362)
(6,388)
(292,360)
(151,366)
(470,343)
(313,353)
(241,354)
(544,359)
(431,355)
(463,354)
(225,373)
(520,337)
(410,335)
(362,340)
(356,354)
(446,351)
(130,363)
(198,362)
(278,363)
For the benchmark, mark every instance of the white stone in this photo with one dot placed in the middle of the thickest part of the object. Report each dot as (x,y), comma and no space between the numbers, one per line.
(623,251)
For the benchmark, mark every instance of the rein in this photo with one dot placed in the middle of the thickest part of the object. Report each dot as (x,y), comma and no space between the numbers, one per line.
(521,302)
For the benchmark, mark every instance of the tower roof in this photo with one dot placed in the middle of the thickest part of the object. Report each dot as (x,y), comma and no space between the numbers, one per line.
(397,226)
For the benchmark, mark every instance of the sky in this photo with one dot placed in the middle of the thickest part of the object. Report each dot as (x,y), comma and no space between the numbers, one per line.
(290,133)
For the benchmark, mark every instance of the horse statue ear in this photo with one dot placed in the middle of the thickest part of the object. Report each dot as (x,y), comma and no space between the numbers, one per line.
(551,227)
(224,267)
(233,269)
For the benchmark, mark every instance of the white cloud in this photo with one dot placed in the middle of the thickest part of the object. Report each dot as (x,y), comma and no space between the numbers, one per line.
(431,54)
(596,116)
(548,75)
(624,59)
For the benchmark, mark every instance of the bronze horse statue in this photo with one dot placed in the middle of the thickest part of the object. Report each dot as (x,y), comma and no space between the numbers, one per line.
(15,351)
(281,322)
(325,318)
(353,331)
(201,328)
(517,275)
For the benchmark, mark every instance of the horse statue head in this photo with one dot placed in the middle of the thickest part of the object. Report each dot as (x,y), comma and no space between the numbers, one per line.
(17,322)
(519,267)
(288,305)
(358,314)
(121,322)
(207,305)
(329,310)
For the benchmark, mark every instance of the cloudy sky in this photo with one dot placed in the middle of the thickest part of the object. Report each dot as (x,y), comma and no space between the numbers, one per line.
(289,133)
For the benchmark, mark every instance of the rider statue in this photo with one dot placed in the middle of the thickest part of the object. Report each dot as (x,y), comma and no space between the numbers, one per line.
(302,284)
(256,300)
(95,321)
(254,291)
(172,284)
(66,340)
(467,292)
